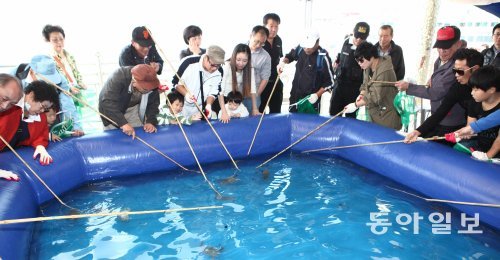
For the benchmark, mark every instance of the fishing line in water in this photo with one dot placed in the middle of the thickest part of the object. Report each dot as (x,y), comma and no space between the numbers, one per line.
(448,201)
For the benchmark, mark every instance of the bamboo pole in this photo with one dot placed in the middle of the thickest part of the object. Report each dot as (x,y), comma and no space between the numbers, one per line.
(196,104)
(449,201)
(370,144)
(303,137)
(34,173)
(263,112)
(383,82)
(110,120)
(102,214)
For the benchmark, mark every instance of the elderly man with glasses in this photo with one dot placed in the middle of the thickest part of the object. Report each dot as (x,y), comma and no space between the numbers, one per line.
(200,78)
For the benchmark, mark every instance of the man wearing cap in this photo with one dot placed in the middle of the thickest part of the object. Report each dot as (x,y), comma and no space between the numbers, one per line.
(130,98)
(313,71)
(349,75)
(141,51)
(442,79)
(200,80)
(386,46)
(273,46)
(261,61)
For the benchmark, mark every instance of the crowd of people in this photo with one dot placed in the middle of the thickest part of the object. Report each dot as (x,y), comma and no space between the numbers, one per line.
(42,100)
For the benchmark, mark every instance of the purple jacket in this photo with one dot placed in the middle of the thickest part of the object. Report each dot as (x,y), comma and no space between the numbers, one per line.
(441,80)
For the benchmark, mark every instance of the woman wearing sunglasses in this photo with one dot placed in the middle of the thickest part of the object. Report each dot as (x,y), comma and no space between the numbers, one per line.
(376,92)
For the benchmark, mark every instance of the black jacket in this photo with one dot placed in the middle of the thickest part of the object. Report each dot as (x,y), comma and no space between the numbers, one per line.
(129,57)
(115,97)
(458,94)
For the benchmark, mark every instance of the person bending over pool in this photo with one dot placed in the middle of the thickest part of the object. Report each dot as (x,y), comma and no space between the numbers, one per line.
(28,126)
(130,98)
(167,115)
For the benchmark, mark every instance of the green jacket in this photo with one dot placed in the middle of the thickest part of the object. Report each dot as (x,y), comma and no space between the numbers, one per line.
(379,97)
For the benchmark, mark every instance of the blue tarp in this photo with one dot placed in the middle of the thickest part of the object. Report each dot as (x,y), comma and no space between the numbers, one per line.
(432,169)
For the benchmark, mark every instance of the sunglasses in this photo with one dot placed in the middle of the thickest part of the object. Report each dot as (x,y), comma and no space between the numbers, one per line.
(360,59)
(459,71)
(213,65)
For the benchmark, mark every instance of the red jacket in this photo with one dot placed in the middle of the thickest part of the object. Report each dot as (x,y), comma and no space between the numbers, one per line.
(9,123)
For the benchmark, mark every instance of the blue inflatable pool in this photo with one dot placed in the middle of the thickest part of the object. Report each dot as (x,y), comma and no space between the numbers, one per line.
(434,170)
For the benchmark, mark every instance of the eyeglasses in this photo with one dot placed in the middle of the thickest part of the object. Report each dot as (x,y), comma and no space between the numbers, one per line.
(43,108)
(496,34)
(360,59)
(213,65)
(459,71)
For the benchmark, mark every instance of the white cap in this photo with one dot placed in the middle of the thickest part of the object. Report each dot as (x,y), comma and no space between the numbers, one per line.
(310,38)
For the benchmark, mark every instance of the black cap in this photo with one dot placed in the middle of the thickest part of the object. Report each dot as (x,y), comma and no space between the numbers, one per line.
(361,30)
(142,37)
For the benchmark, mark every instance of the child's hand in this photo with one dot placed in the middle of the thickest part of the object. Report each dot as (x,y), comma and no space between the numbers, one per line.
(8,175)
(77,133)
(255,112)
(56,138)
(196,117)
(74,90)
(224,117)
(236,115)
(45,158)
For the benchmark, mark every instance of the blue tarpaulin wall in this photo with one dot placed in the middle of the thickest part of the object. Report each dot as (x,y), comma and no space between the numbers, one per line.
(432,169)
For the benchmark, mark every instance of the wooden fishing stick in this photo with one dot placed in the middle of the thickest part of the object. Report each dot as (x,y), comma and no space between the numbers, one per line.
(195,103)
(303,137)
(383,82)
(34,173)
(103,214)
(370,144)
(110,120)
(449,201)
(191,148)
(262,116)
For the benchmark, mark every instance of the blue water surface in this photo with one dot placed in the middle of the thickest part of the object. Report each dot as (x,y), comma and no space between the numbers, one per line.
(294,207)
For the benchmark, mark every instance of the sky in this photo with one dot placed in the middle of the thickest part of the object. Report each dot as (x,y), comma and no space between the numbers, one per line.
(104,27)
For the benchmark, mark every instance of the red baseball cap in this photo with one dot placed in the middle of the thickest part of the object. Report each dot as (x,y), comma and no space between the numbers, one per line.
(446,37)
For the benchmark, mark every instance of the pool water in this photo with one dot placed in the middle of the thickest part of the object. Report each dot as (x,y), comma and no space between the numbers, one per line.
(305,207)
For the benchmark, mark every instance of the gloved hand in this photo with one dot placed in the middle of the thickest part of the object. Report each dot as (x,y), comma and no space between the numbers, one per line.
(45,158)
(313,98)
(280,67)
(452,138)
(351,108)
(480,156)
(8,175)
(189,98)
(208,111)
